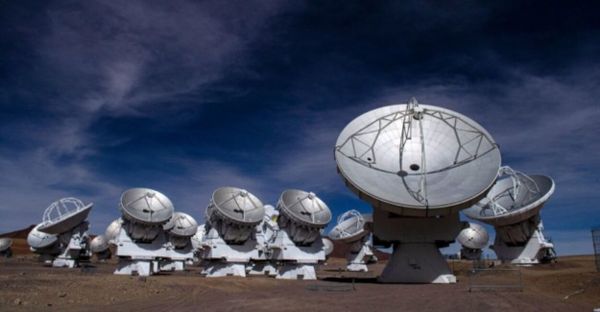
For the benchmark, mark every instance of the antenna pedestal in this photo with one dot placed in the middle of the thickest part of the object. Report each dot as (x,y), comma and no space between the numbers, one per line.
(359,251)
(416,258)
(222,259)
(528,246)
(296,271)
(470,254)
(104,255)
(299,262)
(417,263)
(74,247)
(143,267)
(222,269)
(263,267)
(262,263)
(149,258)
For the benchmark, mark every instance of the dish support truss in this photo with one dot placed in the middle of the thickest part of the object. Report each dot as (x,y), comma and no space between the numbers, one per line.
(469,144)
(520,182)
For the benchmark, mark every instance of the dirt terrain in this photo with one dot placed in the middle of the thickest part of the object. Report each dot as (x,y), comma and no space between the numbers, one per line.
(569,285)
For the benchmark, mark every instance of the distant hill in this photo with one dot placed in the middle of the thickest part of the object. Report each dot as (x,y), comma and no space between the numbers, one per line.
(19,233)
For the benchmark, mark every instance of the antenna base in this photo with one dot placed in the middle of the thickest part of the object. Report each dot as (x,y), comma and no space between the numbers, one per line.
(222,269)
(417,263)
(536,250)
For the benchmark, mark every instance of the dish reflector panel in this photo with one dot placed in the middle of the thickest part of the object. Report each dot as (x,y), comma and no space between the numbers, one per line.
(113,229)
(143,205)
(5,243)
(304,208)
(417,160)
(38,239)
(63,215)
(514,198)
(182,224)
(236,205)
(99,244)
(350,227)
(475,236)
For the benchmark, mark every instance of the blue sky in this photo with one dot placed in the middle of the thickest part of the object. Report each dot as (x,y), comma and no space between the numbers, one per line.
(184,96)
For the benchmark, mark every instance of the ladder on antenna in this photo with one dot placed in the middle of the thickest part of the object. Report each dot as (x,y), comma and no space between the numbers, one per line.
(413,112)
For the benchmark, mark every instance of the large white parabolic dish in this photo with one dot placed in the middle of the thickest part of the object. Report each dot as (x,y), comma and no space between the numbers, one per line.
(146,206)
(182,225)
(417,160)
(512,201)
(63,215)
(235,205)
(304,208)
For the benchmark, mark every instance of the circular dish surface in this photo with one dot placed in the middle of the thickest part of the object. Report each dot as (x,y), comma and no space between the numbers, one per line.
(417,160)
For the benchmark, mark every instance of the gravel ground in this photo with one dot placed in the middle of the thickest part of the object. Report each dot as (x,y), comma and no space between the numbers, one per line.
(570,285)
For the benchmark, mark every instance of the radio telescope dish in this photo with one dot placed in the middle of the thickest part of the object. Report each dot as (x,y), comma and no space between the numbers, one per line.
(99,244)
(182,224)
(304,208)
(234,213)
(181,228)
(514,198)
(38,239)
(147,206)
(5,243)
(327,246)
(236,205)
(474,237)
(417,160)
(350,227)
(513,206)
(230,242)
(63,215)
(113,229)
(418,166)
(297,243)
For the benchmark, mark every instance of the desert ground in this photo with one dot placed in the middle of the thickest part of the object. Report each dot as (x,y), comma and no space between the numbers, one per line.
(571,284)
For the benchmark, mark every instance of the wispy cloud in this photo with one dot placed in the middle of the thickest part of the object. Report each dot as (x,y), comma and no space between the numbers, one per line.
(102,59)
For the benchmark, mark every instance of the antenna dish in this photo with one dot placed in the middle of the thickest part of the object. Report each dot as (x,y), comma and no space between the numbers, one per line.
(514,198)
(417,160)
(474,237)
(350,227)
(5,243)
(38,239)
(304,208)
(181,224)
(327,246)
(99,244)
(512,206)
(113,229)
(236,205)
(234,213)
(303,215)
(181,228)
(63,215)
(147,206)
